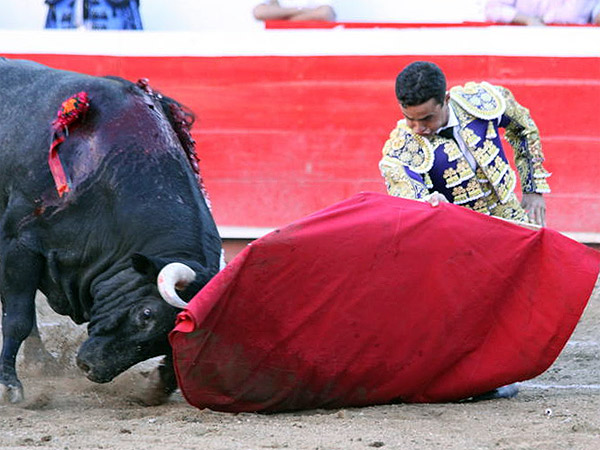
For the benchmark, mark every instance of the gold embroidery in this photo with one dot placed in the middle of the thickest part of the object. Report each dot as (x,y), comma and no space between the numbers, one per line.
(500,166)
(410,149)
(502,191)
(491,131)
(541,186)
(398,182)
(474,190)
(402,188)
(486,154)
(464,169)
(405,157)
(523,135)
(539,171)
(470,88)
(412,146)
(481,206)
(451,177)
(417,160)
(512,210)
(470,138)
(479,99)
(397,142)
(499,162)
(481,175)
(460,195)
(428,181)
(452,150)
(494,174)
(506,186)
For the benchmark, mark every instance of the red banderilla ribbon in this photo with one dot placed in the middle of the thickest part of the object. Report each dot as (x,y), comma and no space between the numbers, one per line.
(71,110)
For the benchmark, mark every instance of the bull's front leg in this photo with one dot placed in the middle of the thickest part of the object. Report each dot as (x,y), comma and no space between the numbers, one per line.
(162,383)
(35,356)
(19,275)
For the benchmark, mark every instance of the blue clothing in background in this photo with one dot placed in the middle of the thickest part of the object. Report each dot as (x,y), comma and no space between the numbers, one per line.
(96,14)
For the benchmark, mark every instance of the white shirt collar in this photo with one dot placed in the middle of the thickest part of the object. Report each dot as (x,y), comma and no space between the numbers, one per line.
(452,119)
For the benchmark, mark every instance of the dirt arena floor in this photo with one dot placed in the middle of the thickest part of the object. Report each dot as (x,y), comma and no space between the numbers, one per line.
(558,410)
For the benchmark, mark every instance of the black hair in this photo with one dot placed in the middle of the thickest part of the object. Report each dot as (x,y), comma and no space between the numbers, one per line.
(419,82)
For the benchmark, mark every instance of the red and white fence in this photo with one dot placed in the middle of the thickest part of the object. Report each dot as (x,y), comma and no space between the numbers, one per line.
(292,120)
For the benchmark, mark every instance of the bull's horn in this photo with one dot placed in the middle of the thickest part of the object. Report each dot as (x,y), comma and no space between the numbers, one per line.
(174,276)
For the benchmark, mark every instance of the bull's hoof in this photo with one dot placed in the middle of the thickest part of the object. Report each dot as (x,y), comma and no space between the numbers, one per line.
(38,361)
(11,394)
(156,390)
(153,398)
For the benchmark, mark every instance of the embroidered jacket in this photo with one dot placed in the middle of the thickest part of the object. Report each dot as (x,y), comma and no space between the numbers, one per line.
(414,166)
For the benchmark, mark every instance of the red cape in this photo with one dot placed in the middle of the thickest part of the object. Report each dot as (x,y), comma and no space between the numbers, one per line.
(379,299)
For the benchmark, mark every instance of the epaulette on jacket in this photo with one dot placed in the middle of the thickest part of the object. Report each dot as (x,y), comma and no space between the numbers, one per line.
(412,150)
(481,100)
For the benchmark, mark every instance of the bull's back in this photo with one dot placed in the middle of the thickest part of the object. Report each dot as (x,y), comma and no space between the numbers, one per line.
(31,95)
(28,92)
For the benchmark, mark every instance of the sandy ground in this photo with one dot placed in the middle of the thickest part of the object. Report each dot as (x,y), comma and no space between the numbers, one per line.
(558,410)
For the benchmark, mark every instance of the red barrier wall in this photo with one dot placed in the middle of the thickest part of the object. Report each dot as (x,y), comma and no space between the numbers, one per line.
(282,136)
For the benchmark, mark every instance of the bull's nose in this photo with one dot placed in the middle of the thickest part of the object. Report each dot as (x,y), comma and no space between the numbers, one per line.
(92,373)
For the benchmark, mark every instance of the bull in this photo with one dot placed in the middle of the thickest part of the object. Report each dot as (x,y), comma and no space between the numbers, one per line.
(100,196)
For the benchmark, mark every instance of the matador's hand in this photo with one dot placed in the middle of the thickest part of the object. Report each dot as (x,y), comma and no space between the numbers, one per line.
(435,198)
(535,206)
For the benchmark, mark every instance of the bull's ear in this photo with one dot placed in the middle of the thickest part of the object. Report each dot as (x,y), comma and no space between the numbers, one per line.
(147,265)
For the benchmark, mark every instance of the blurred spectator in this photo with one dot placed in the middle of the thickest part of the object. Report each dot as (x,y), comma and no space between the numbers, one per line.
(295,10)
(94,14)
(542,12)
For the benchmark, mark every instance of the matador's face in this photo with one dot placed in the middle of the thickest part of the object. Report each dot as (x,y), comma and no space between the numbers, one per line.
(425,119)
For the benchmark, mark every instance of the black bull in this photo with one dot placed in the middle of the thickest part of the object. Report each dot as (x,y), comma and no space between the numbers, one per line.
(135,204)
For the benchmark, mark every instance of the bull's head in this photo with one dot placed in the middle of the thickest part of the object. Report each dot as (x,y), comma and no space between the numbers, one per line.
(134,323)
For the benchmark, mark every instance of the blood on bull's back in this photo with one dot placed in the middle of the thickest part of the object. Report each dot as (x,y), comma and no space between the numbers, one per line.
(99,192)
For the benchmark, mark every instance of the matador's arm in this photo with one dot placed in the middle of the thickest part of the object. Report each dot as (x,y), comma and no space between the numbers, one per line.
(400,152)
(523,135)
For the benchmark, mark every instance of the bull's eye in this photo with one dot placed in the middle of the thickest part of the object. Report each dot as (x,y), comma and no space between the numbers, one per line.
(146,316)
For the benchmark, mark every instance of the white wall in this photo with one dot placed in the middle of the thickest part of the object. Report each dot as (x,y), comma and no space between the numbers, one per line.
(409,10)
(196,15)
(22,14)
